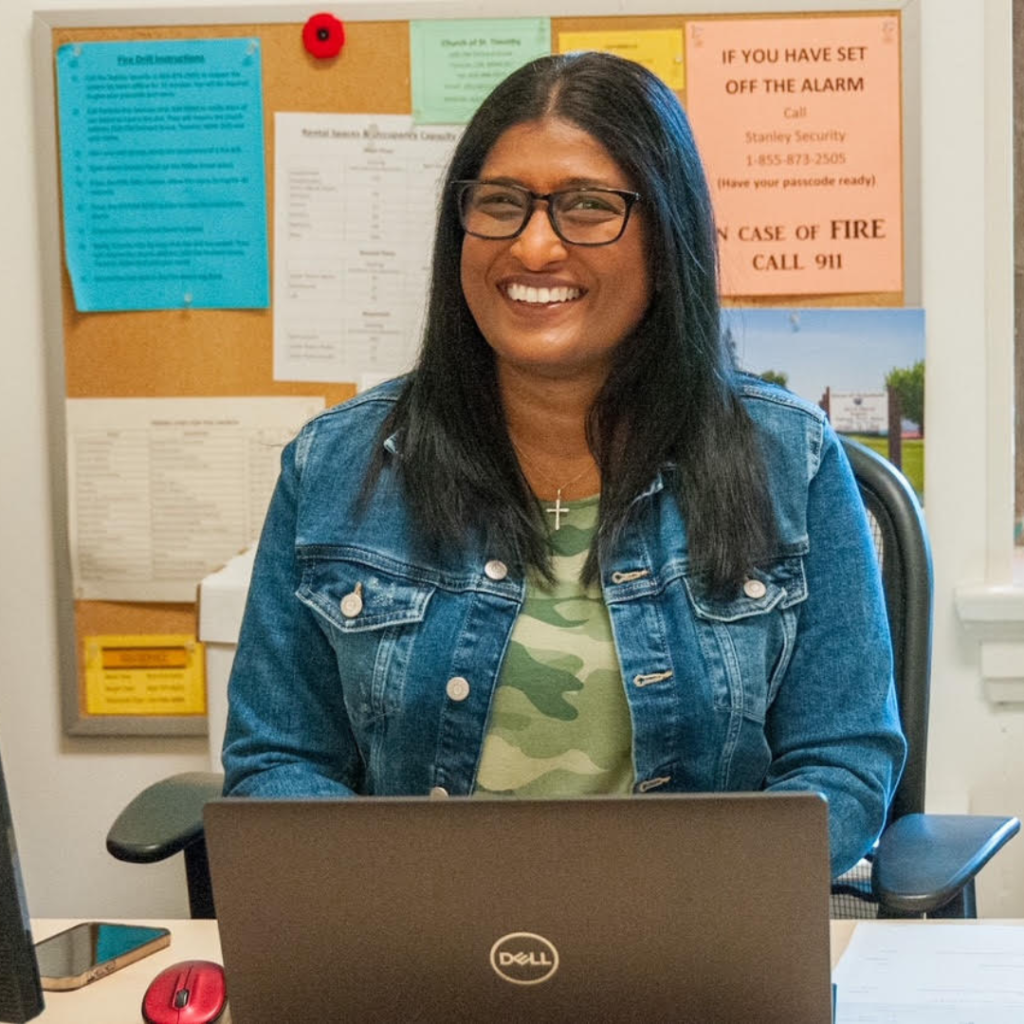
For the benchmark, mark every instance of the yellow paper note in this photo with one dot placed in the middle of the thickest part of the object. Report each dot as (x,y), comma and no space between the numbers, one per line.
(144,675)
(659,50)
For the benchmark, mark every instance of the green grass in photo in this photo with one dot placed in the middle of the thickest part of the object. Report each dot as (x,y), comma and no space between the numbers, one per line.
(913,457)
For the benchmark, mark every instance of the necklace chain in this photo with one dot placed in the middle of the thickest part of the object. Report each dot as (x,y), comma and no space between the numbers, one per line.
(558,509)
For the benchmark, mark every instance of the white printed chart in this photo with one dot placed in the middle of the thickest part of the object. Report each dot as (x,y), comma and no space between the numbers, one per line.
(355,202)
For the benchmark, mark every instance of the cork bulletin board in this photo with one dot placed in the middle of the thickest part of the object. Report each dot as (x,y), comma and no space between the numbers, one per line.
(168,353)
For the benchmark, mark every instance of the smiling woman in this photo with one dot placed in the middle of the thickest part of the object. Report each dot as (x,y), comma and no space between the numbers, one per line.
(508,276)
(575,551)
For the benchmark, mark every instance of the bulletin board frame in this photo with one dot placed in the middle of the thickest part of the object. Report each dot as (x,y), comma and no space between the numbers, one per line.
(50,27)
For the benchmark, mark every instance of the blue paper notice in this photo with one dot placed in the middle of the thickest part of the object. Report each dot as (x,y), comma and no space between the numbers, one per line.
(162,168)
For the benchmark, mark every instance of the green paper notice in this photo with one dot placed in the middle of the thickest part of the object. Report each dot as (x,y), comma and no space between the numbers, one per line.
(455,64)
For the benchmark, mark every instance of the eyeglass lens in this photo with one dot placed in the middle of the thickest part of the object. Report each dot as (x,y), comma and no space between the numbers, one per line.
(583,216)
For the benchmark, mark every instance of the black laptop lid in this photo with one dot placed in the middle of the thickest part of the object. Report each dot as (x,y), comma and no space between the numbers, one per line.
(657,908)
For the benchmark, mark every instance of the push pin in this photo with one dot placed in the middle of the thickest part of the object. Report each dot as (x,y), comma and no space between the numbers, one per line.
(323,36)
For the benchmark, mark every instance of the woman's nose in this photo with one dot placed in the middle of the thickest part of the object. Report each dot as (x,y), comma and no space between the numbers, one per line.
(538,244)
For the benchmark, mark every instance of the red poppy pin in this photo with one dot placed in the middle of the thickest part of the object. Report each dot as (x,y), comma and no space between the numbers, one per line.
(323,36)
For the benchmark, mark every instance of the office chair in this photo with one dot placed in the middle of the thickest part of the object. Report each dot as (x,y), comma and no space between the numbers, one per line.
(923,865)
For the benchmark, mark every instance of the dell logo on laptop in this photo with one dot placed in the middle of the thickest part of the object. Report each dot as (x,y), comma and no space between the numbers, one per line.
(524,958)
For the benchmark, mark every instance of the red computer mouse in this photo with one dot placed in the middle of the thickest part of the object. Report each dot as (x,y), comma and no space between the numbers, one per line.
(190,992)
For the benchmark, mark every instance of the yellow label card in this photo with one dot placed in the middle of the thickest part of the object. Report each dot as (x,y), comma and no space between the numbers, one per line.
(659,50)
(144,675)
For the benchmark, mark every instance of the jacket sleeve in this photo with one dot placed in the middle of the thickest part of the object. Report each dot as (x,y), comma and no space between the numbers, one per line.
(288,732)
(834,725)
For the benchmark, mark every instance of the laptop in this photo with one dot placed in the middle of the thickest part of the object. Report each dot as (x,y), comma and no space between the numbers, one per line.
(703,908)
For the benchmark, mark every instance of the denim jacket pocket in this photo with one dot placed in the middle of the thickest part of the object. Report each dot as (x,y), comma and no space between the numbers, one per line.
(747,639)
(371,617)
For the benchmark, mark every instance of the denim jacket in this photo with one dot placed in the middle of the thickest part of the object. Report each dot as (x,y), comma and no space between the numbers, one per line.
(365,668)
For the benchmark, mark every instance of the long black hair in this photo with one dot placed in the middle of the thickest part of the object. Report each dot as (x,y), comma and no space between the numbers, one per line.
(670,400)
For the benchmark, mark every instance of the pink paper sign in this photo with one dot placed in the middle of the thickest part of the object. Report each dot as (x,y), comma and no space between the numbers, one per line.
(798,123)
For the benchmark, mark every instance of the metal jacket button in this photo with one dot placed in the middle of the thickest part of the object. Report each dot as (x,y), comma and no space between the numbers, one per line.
(457,688)
(754,589)
(495,569)
(439,793)
(352,604)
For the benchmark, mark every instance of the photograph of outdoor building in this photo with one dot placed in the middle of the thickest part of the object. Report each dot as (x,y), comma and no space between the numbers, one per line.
(864,367)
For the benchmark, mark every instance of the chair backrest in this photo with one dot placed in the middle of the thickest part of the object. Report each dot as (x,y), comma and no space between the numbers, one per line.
(901,540)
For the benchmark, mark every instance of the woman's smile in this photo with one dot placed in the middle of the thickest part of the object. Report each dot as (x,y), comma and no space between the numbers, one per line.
(535,297)
(542,294)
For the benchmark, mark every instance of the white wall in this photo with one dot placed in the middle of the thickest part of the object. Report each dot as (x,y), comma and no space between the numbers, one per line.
(66,792)
(976,748)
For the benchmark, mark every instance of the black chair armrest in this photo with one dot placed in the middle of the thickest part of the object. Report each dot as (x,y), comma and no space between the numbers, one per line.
(924,860)
(164,818)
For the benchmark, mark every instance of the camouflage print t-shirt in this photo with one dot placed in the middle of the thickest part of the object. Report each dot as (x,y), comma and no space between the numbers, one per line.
(559,723)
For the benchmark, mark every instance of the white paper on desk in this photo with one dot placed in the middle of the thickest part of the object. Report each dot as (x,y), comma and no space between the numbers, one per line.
(162,491)
(355,204)
(935,973)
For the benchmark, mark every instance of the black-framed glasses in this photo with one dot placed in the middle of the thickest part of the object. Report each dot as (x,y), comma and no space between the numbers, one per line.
(579,216)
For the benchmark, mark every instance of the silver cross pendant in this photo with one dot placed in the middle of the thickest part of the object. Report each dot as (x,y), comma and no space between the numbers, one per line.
(559,510)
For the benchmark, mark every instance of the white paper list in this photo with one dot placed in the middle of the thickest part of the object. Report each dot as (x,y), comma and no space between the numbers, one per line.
(355,201)
(934,973)
(163,491)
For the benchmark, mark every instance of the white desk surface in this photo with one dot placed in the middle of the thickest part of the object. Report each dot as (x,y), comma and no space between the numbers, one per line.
(117,998)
